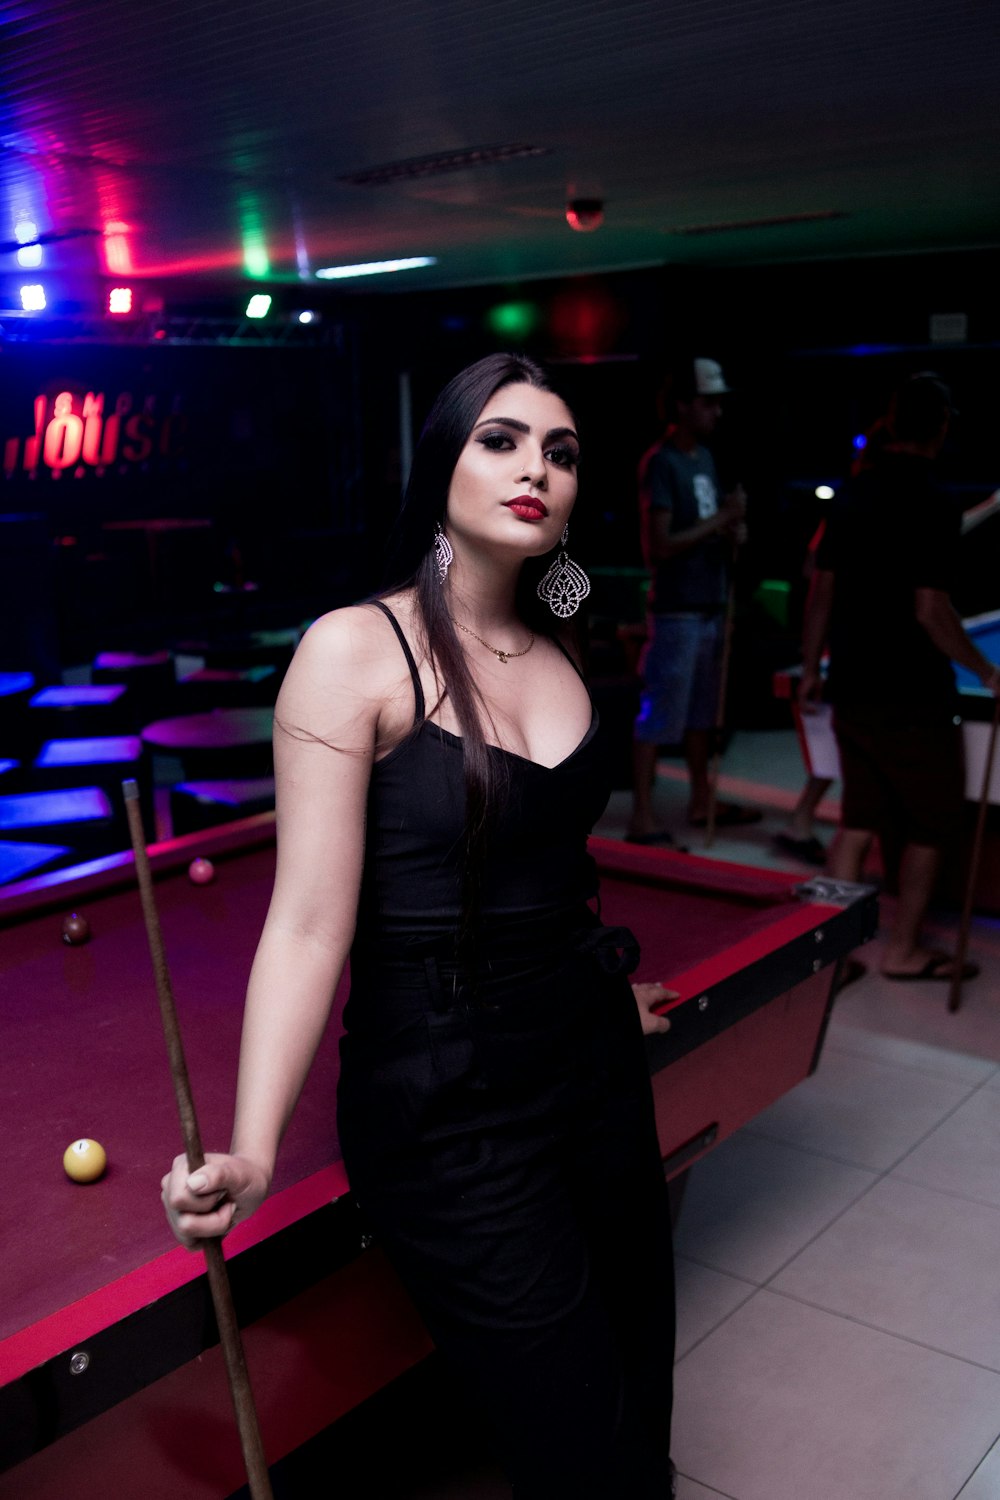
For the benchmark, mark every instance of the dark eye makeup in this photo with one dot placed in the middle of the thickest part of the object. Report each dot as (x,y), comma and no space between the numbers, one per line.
(565,455)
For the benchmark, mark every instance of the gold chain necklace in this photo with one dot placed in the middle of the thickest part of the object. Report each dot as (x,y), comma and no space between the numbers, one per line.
(504,656)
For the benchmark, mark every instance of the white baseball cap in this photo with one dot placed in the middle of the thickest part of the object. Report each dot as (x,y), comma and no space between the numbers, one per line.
(709,379)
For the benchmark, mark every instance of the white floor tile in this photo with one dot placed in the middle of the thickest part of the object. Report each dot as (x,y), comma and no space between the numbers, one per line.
(963,1154)
(704,1299)
(755,1203)
(920,1011)
(784,1402)
(985,1482)
(913,1262)
(860,1111)
(900,1052)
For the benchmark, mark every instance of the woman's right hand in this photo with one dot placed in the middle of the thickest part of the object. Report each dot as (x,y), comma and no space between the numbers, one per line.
(207,1203)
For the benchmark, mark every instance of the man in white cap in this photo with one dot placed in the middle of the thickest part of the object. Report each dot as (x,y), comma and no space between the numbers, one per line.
(689,536)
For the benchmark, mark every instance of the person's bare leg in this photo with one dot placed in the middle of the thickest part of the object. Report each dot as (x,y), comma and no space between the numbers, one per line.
(697,750)
(849,852)
(643,821)
(800,824)
(918,870)
(847,862)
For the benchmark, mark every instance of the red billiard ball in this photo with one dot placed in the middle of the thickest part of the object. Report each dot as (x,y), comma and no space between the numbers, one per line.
(201,871)
(75,929)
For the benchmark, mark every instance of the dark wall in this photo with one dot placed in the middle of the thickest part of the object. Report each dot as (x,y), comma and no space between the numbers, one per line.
(294,456)
(170,481)
(812,353)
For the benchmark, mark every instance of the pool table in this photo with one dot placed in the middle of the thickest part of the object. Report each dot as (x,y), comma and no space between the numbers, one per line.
(109,1367)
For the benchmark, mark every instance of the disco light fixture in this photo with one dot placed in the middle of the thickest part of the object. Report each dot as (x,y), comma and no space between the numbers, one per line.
(33,298)
(120,300)
(375,268)
(259,305)
(29,257)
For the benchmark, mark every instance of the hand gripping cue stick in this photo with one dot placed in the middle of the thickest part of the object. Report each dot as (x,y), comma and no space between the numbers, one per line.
(218,1278)
(955,992)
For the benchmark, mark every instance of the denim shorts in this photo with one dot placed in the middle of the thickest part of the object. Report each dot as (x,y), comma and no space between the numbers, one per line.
(681,668)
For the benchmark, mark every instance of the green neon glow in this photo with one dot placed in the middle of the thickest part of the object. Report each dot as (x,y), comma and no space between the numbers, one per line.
(512,320)
(255,257)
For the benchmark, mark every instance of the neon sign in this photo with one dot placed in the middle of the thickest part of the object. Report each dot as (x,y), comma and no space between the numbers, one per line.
(86,433)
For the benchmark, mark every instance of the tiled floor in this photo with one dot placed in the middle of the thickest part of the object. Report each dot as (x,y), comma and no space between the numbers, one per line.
(839,1259)
(839,1290)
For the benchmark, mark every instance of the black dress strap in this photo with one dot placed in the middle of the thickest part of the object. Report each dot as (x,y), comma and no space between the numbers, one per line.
(570,658)
(418,692)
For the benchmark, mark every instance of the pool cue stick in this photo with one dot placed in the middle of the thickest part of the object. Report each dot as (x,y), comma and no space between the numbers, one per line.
(218,1276)
(720,709)
(955,991)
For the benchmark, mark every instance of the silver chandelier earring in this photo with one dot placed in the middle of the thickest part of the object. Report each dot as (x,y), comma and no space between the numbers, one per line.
(442,552)
(565,585)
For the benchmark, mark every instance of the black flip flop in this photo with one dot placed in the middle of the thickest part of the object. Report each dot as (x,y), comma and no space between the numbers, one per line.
(810,851)
(934,969)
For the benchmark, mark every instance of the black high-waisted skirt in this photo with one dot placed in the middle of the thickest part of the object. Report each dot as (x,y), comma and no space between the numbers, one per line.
(499,1137)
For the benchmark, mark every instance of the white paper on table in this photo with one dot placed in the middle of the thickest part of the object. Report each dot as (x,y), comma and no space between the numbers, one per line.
(977,741)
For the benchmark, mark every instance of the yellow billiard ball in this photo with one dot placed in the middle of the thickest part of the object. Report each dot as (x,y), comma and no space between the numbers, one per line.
(85,1161)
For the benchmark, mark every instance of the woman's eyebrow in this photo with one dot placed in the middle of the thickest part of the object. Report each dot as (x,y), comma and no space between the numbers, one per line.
(503,422)
(518,426)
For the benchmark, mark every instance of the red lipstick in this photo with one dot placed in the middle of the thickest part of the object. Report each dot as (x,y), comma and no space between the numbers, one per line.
(527,507)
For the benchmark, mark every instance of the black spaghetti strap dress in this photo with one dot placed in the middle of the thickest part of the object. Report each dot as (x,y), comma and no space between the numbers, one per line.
(496,1117)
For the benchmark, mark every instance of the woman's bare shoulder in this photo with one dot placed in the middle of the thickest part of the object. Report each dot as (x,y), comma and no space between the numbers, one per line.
(352,649)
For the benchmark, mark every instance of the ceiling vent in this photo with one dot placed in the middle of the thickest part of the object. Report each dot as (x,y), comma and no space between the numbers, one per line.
(779,222)
(439,163)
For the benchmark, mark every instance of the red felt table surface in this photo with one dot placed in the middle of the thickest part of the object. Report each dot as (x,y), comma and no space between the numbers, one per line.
(83,1055)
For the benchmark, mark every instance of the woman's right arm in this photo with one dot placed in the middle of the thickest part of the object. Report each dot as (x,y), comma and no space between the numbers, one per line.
(326,724)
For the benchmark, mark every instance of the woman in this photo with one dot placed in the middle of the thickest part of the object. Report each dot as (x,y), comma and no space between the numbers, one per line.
(438,772)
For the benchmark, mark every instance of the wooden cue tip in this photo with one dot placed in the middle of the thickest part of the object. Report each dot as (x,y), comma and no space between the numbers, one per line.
(130,790)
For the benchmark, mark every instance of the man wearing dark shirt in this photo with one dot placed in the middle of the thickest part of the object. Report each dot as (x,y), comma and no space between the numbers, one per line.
(688,534)
(881,598)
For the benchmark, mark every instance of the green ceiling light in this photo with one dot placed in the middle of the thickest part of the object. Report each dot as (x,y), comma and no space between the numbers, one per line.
(259,305)
(256,262)
(513,320)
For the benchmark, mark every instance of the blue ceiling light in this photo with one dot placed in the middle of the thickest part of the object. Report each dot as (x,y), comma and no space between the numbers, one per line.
(29,257)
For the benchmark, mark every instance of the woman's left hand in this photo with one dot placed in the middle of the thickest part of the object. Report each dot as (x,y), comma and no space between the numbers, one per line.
(647,997)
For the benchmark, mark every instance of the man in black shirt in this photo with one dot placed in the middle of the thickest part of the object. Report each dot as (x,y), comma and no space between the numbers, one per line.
(881,597)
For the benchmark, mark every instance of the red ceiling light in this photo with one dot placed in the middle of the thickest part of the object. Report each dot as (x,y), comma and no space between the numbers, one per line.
(120,301)
(585,214)
(116,248)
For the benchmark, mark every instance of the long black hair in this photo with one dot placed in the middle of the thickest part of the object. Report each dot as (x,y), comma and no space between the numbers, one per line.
(412,564)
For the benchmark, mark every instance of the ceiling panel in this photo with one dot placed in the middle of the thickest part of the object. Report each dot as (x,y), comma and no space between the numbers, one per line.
(213,137)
